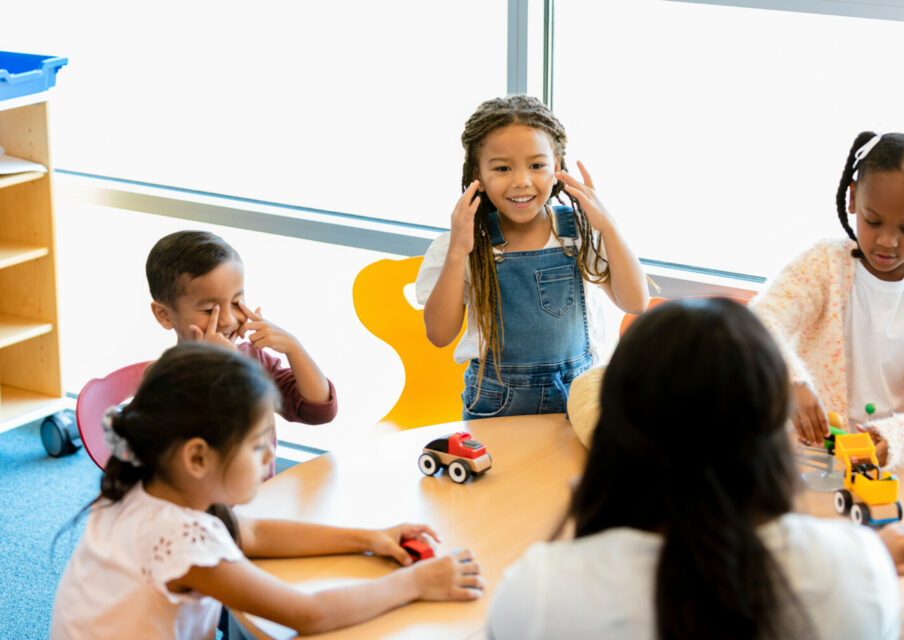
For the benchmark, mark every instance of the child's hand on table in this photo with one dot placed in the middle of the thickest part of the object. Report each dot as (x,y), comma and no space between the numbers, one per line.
(452,577)
(387,542)
(264,333)
(808,415)
(881,447)
(211,335)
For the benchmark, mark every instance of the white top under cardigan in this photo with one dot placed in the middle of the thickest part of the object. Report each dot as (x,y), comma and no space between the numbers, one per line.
(874,346)
(603,586)
(115,583)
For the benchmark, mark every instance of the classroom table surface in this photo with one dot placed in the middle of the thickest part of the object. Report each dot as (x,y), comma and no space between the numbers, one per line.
(376,483)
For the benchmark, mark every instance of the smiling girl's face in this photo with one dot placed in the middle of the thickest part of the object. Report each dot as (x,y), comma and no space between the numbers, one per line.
(517,171)
(878,202)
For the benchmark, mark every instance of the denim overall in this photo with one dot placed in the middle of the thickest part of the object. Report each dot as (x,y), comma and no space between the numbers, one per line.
(545,340)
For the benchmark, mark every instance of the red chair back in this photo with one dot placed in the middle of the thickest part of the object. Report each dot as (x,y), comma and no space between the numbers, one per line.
(95,398)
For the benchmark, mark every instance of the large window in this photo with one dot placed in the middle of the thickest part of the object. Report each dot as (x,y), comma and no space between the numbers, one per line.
(717,135)
(352,106)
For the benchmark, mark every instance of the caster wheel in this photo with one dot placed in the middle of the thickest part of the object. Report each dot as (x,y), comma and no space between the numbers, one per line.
(59,434)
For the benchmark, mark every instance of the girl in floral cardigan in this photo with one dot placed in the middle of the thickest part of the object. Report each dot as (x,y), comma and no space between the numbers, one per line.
(837,310)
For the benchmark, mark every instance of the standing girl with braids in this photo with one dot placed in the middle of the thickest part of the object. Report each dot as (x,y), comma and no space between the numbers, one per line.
(154,563)
(682,519)
(837,310)
(528,273)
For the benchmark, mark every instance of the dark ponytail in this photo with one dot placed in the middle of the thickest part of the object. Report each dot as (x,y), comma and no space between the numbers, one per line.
(194,390)
(887,155)
(691,444)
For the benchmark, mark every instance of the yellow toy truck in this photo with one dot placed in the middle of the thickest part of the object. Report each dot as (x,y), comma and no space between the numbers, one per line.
(870,495)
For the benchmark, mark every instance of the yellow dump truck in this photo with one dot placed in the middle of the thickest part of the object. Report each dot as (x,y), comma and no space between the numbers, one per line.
(870,495)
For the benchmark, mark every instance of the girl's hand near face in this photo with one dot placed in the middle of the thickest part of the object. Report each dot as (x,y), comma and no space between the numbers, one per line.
(585,194)
(461,239)
(387,542)
(627,284)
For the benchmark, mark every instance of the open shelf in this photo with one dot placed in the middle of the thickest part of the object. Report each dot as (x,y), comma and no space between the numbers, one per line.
(18,406)
(14,253)
(18,178)
(15,329)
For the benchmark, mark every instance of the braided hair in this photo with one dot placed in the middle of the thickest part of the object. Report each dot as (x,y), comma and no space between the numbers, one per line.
(887,155)
(490,116)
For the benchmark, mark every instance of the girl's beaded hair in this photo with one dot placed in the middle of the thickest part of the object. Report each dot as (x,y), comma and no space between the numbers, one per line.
(489,116)
(886,155)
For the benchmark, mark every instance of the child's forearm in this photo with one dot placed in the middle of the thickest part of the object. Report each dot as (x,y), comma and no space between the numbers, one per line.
(286,538)
(627,283)
(444,311)
(309,380)
(346,606)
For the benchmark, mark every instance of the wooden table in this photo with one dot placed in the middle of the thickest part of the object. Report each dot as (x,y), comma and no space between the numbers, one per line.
(377,483)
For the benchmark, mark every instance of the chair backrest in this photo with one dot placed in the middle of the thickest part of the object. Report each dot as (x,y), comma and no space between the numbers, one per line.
(95,398)
(433,381)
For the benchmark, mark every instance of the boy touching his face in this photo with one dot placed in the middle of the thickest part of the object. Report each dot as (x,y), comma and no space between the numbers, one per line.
(197,283)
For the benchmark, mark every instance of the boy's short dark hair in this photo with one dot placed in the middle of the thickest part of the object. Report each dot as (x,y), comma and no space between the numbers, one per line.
(192,253)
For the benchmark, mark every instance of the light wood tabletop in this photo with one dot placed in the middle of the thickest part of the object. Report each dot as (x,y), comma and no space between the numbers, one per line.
(376,483)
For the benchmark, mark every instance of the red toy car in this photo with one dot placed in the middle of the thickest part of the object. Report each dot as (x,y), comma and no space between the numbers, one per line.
(417,550)
(459,453)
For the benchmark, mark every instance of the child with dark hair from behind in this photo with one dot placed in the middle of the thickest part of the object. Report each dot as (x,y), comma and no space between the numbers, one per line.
(837,310)
(153,563)
(197,282)
(683,520)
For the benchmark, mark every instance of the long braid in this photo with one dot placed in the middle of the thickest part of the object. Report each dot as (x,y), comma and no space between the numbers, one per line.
(489,116)
(887,155)
(847,179)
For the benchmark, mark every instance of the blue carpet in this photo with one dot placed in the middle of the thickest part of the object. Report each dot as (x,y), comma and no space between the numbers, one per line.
(38,496)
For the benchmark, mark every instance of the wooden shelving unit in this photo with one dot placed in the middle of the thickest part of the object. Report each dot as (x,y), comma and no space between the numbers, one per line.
(30,380)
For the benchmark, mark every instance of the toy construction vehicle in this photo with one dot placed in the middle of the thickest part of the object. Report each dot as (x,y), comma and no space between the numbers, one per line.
(870,495)
(459,453)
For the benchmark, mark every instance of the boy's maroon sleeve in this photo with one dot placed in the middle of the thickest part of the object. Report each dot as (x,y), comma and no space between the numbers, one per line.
(294,407)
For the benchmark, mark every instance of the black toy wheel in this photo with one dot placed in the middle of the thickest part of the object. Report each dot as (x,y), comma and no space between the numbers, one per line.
(459,471)
(59,434)
(428,464)
(860,514)
(843,502)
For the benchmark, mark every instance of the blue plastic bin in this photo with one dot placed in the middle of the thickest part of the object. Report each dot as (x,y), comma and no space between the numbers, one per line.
(24,73)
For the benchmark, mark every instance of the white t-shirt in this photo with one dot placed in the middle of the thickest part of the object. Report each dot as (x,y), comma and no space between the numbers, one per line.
(468,347)
(115,583)
(603,586)
(874,346)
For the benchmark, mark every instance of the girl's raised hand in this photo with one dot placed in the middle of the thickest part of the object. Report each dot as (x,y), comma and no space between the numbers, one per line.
(462,227)
(585,194)
(453,577)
